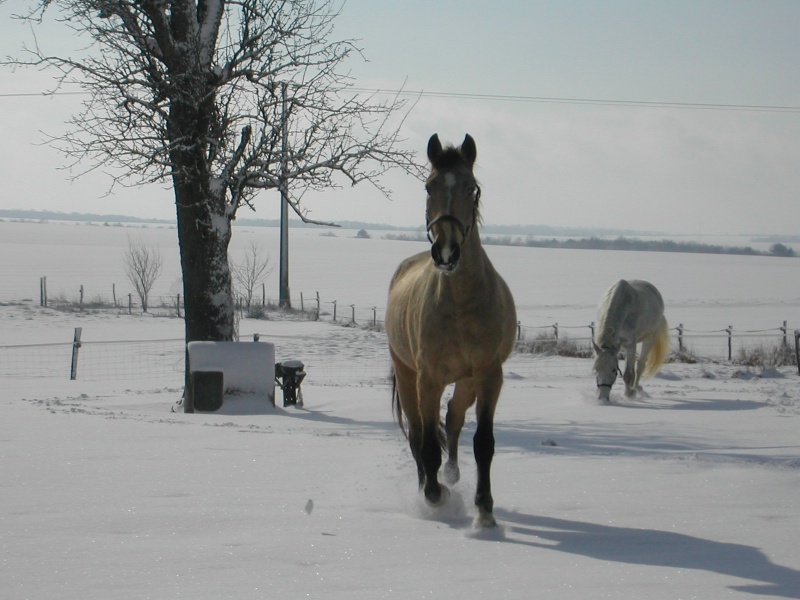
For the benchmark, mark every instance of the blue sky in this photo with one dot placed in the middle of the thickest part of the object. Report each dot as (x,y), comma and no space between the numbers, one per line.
(569,162)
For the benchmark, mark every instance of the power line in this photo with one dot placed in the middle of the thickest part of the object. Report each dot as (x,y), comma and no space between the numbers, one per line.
(40,94)
(593,101)
(512,98)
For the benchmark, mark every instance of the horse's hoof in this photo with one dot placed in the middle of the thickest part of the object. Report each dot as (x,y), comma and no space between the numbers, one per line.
(437,497)
(451,473)
(484,520)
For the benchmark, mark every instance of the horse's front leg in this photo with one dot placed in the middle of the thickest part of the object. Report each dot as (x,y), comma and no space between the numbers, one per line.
(430,394)
(463,398)
(483,445)
(405,380)
(630,376)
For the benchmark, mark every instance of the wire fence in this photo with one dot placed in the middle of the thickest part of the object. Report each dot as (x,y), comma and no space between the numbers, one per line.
(719,344)
(576,340)
(162,361)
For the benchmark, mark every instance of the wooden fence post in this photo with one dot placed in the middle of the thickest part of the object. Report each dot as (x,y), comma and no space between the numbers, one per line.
(130,304)
(76,344)
(353,314)
(81,300)
(784,329)
(797,349)
(114,293)
(374,317)
(302,305)
(317,317)
(730,342)
(334,311)
(680,337)
(43,291)
(519,331)
(178,305)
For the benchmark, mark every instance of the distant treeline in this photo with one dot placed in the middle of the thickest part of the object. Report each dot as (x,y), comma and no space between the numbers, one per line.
(504,235)
(619,243)
(623,243)
(50,215)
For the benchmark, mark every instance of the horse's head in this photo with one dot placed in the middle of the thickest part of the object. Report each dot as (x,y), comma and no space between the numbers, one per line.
(453,197)
(606,367)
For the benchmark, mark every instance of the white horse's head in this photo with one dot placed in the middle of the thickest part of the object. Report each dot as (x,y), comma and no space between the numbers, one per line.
(606,368)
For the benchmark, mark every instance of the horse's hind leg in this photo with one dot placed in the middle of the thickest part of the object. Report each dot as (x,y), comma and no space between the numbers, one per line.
(631,374)
(483,445)
(463,398)
(647,346)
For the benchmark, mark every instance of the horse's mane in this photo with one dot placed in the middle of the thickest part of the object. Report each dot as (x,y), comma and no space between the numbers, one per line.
(607,317)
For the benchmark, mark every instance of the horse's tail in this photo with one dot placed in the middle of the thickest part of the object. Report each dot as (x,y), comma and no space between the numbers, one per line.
(397,407)
(659,351)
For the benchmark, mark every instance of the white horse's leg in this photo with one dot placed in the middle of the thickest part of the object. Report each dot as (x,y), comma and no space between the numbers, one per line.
(630,375)
(647,345)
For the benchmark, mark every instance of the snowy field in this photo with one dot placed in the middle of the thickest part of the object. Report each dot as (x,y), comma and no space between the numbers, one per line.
(704,292)
(689,492)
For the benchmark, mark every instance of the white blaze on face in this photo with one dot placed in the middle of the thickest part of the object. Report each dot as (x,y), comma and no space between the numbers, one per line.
(450,183)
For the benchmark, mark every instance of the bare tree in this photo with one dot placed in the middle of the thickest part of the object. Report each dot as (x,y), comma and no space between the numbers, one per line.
(222,98)
(251,272)
(143,266)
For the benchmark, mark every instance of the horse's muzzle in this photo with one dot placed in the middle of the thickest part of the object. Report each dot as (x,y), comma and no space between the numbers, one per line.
(445,249)
(446,258)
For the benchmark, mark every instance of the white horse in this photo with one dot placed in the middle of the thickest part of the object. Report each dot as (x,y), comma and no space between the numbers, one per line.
(630,312)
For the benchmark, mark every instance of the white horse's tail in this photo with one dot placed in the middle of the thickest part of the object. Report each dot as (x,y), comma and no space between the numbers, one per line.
(659,351)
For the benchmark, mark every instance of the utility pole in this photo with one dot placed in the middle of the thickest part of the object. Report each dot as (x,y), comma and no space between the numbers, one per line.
(284,299)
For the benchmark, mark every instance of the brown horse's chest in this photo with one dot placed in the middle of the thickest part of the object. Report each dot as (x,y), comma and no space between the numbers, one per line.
(449,326)
(460,341)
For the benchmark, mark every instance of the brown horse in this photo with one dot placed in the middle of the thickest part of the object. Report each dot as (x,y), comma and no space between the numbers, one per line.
(450,319)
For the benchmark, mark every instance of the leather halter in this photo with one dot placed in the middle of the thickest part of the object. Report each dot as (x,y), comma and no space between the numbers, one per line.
(465,230)
(619,371)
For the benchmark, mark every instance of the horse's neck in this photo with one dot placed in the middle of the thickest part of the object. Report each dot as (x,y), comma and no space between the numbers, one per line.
(607,337)
(472,275)
(613,320)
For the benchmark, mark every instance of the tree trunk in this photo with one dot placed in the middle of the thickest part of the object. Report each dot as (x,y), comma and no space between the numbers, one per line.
(204,232)
(208,314)
(206,276)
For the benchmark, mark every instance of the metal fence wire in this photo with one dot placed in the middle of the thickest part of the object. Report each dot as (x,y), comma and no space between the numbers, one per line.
(163,360)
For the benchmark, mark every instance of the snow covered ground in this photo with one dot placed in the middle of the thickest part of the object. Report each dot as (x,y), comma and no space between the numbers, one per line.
(690,492)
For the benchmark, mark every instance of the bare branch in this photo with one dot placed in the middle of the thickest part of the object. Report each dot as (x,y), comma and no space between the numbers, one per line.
(143,265)
(266,67)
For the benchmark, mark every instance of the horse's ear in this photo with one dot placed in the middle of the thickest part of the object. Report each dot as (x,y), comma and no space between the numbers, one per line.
(468,150)
(596,347)
(434,148)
